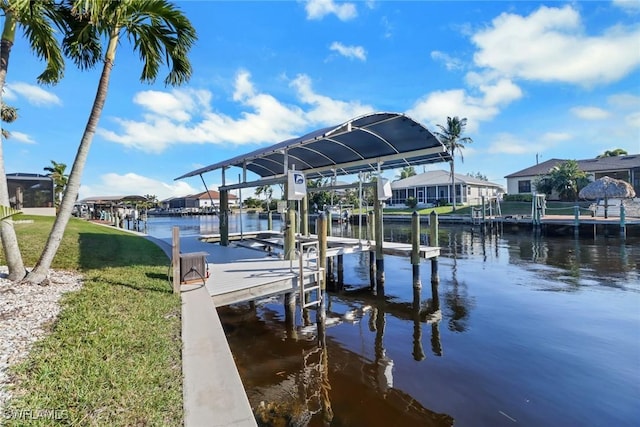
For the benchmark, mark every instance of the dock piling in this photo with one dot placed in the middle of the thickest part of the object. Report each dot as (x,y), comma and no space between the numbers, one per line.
(379,246)
(322,248)
(433,229)
(415,249)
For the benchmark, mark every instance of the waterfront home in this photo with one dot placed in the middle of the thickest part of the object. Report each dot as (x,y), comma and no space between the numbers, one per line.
(626,168)
(204,201)
(31,193)
(434,187)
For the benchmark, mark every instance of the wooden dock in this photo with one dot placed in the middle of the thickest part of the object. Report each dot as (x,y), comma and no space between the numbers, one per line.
(253,268)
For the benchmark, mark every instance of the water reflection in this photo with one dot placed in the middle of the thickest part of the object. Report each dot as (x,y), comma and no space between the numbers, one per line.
(541,358)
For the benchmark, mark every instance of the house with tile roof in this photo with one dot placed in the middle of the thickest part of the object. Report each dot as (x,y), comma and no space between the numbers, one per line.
(432,187)
(625,167)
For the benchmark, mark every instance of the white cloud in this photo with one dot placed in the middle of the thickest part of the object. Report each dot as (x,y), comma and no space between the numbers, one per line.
(590,113)
(435,107)
(631,6)
(113,184)
(326,111)
(21,137)
(351,52)
(177,105)
(550,45)
(449,62)
(265,119)
(555,137)
(508,143)
(624,101)
(34,95)
(318,9)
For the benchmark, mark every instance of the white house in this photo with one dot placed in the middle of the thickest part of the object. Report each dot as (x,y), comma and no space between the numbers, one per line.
(432,187)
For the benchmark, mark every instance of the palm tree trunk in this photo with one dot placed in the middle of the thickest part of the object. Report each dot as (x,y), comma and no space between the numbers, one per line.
(40,271)
(8,233)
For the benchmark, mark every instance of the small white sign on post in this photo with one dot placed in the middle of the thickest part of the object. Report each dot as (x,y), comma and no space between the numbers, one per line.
(384,189)
(282,206)
(297,186)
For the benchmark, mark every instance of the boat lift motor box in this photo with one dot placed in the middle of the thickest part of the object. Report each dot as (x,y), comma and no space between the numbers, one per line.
(193,267)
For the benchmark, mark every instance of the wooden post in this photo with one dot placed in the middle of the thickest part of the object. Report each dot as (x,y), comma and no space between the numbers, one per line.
(372,253)
(415,249)
(322,244)
(304,216)
(435,277)
(434,241)
(175,259)
(379,246)
(433,229)
(269,220)
(224,217)
(290,235)
(340,272)
(576,220)
(623,216)
(329,223)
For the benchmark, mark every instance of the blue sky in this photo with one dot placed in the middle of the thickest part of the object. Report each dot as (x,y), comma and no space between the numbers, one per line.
(534,80)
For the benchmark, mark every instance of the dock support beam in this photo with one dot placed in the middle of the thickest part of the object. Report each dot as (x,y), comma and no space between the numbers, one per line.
(372,253)
(269,219)
(322,245)
(415,249)
(290,235)
(576,220)
(340,283)
(623,227)
(379,246)
(224,217)
(304,216)
(433,229)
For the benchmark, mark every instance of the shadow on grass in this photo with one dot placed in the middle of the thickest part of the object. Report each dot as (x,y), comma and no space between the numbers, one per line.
(102,250)
(158,286)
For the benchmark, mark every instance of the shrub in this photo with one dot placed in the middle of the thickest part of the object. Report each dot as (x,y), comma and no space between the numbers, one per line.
(411,202)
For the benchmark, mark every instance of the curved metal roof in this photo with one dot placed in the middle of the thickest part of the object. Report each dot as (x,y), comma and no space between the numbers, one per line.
(358,145)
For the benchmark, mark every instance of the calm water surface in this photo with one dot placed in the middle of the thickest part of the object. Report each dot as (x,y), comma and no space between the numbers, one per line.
(522,330)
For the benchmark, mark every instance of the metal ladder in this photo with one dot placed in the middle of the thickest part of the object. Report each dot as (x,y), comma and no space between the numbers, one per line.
(309,251)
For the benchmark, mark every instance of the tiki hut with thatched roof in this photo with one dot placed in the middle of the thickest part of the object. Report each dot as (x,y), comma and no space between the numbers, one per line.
(606,188)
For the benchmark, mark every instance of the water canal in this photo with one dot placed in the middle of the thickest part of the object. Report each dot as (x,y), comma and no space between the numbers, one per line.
(522,330)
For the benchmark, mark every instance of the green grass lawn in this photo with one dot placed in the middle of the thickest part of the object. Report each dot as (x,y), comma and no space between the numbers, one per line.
(113,358)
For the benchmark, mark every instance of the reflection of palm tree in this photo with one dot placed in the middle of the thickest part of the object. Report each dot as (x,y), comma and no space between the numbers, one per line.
(459,305)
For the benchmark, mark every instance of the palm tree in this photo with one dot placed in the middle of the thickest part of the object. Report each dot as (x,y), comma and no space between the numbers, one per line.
(451,137)
(56,172)
(36,19)
(613,153)
(406,172)
(159,31)
(9,115)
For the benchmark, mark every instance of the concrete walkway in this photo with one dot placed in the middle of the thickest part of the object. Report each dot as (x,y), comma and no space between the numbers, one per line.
(212,389)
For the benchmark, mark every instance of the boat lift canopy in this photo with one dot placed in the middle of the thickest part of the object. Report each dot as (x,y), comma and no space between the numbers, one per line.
(369,143)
